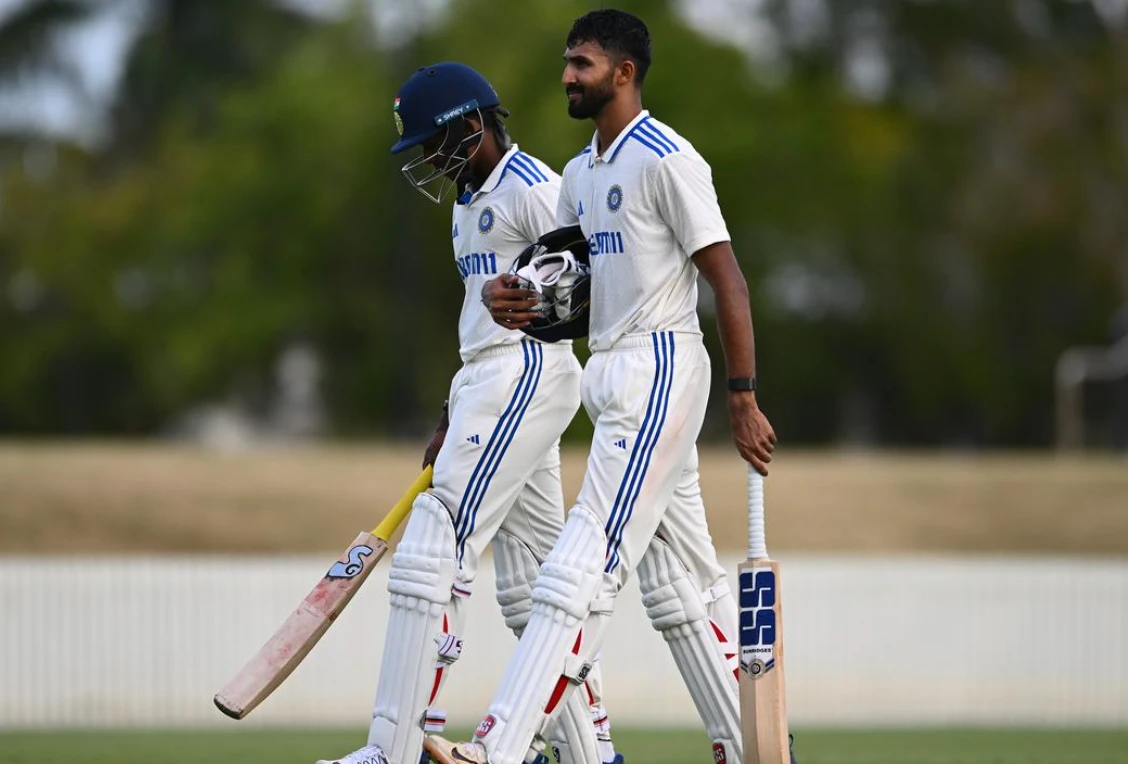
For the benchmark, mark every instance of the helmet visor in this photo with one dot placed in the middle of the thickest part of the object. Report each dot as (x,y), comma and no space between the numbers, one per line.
(443,159)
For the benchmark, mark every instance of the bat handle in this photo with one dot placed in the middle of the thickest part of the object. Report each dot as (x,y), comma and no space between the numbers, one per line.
(392,520)
(757,542)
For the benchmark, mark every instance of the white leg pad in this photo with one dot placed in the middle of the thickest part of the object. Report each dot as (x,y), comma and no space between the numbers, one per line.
(420,636)
(516,568)
(573,734)
(677,609)
(572,600)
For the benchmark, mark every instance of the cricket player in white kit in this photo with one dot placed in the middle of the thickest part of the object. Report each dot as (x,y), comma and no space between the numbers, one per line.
(496,450)
(645,200)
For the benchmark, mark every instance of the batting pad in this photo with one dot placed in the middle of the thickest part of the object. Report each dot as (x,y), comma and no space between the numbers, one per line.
(420,635)
(573,734)
(678,610)
(553,655)
(516,570)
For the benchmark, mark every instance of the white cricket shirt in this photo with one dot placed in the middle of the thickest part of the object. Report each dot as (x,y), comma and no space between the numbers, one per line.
(646,205)
(511,210)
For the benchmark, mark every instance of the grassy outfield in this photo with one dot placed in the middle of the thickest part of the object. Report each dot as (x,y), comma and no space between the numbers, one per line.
(947,746)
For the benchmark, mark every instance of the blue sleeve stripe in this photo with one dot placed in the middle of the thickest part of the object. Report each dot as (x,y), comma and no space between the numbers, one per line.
(657,135)
(512,165)
(531,167)
(636,134)
(537,173)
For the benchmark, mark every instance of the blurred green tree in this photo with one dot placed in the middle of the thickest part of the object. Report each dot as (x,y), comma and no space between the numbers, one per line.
(926,198)
(189,54)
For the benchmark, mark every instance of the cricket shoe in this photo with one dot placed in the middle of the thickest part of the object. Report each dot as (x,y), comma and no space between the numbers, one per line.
(370,754)
(443,751)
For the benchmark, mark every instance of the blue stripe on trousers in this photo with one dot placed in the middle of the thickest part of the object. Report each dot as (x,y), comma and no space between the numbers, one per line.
(499,441)
(644,446)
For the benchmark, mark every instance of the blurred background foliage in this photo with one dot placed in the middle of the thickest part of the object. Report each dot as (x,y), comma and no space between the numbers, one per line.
(928,199)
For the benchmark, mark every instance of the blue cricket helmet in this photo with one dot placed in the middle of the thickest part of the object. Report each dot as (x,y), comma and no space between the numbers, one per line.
(435,95)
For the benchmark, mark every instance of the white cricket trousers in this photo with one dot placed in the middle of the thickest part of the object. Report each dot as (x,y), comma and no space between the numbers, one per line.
(499,467)
(647,398)
(496,479)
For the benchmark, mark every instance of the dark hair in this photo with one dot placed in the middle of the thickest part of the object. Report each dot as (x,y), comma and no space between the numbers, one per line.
(621,34)
(494,120)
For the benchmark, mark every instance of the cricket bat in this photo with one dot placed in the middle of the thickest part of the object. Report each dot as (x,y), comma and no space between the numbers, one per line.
(763,705)
(300,632)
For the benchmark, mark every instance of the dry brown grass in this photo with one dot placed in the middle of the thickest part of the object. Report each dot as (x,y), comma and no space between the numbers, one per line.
(147,497)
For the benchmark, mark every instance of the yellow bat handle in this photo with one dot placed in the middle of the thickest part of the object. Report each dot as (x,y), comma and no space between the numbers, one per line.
(392,520)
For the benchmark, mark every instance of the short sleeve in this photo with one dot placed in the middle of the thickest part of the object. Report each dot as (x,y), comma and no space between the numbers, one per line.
(682,185)
(565,209)
(536,213)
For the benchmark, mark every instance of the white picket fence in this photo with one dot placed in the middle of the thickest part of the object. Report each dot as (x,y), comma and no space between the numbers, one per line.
(146,641)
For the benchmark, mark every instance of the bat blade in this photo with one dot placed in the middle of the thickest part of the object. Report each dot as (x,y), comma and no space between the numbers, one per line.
(763,704)
(277,659)
(297,635)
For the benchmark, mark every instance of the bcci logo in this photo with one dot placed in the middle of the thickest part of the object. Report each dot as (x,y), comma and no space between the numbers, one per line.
(615,198)
(486,220)
(396,116)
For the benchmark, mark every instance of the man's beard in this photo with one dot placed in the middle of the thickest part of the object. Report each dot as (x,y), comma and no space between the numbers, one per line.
(591,100)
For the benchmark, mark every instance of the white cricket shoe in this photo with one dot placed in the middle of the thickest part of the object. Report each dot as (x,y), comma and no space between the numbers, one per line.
(443,751)
(370,754)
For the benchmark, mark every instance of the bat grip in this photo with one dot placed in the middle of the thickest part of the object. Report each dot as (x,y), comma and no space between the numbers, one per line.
(392,520)
(757,542)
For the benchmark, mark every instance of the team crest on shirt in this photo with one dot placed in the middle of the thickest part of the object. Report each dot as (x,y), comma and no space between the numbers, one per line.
(486,220)
(615,198)
(396,116)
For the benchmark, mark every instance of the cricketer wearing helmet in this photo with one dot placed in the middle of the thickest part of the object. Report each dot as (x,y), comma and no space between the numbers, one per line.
(644,198)
(496,450)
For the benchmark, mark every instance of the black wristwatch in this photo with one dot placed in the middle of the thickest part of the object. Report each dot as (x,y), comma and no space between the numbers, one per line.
(742,384)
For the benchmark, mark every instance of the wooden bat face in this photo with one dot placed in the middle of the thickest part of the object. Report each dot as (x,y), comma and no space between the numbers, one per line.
(763,707)
(297,635)
(301,631)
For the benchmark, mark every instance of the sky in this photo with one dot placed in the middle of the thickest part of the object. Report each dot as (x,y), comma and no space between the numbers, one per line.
(97,50)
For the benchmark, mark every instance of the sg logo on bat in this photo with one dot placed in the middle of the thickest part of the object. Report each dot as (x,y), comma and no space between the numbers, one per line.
(757,621)
(353,565)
